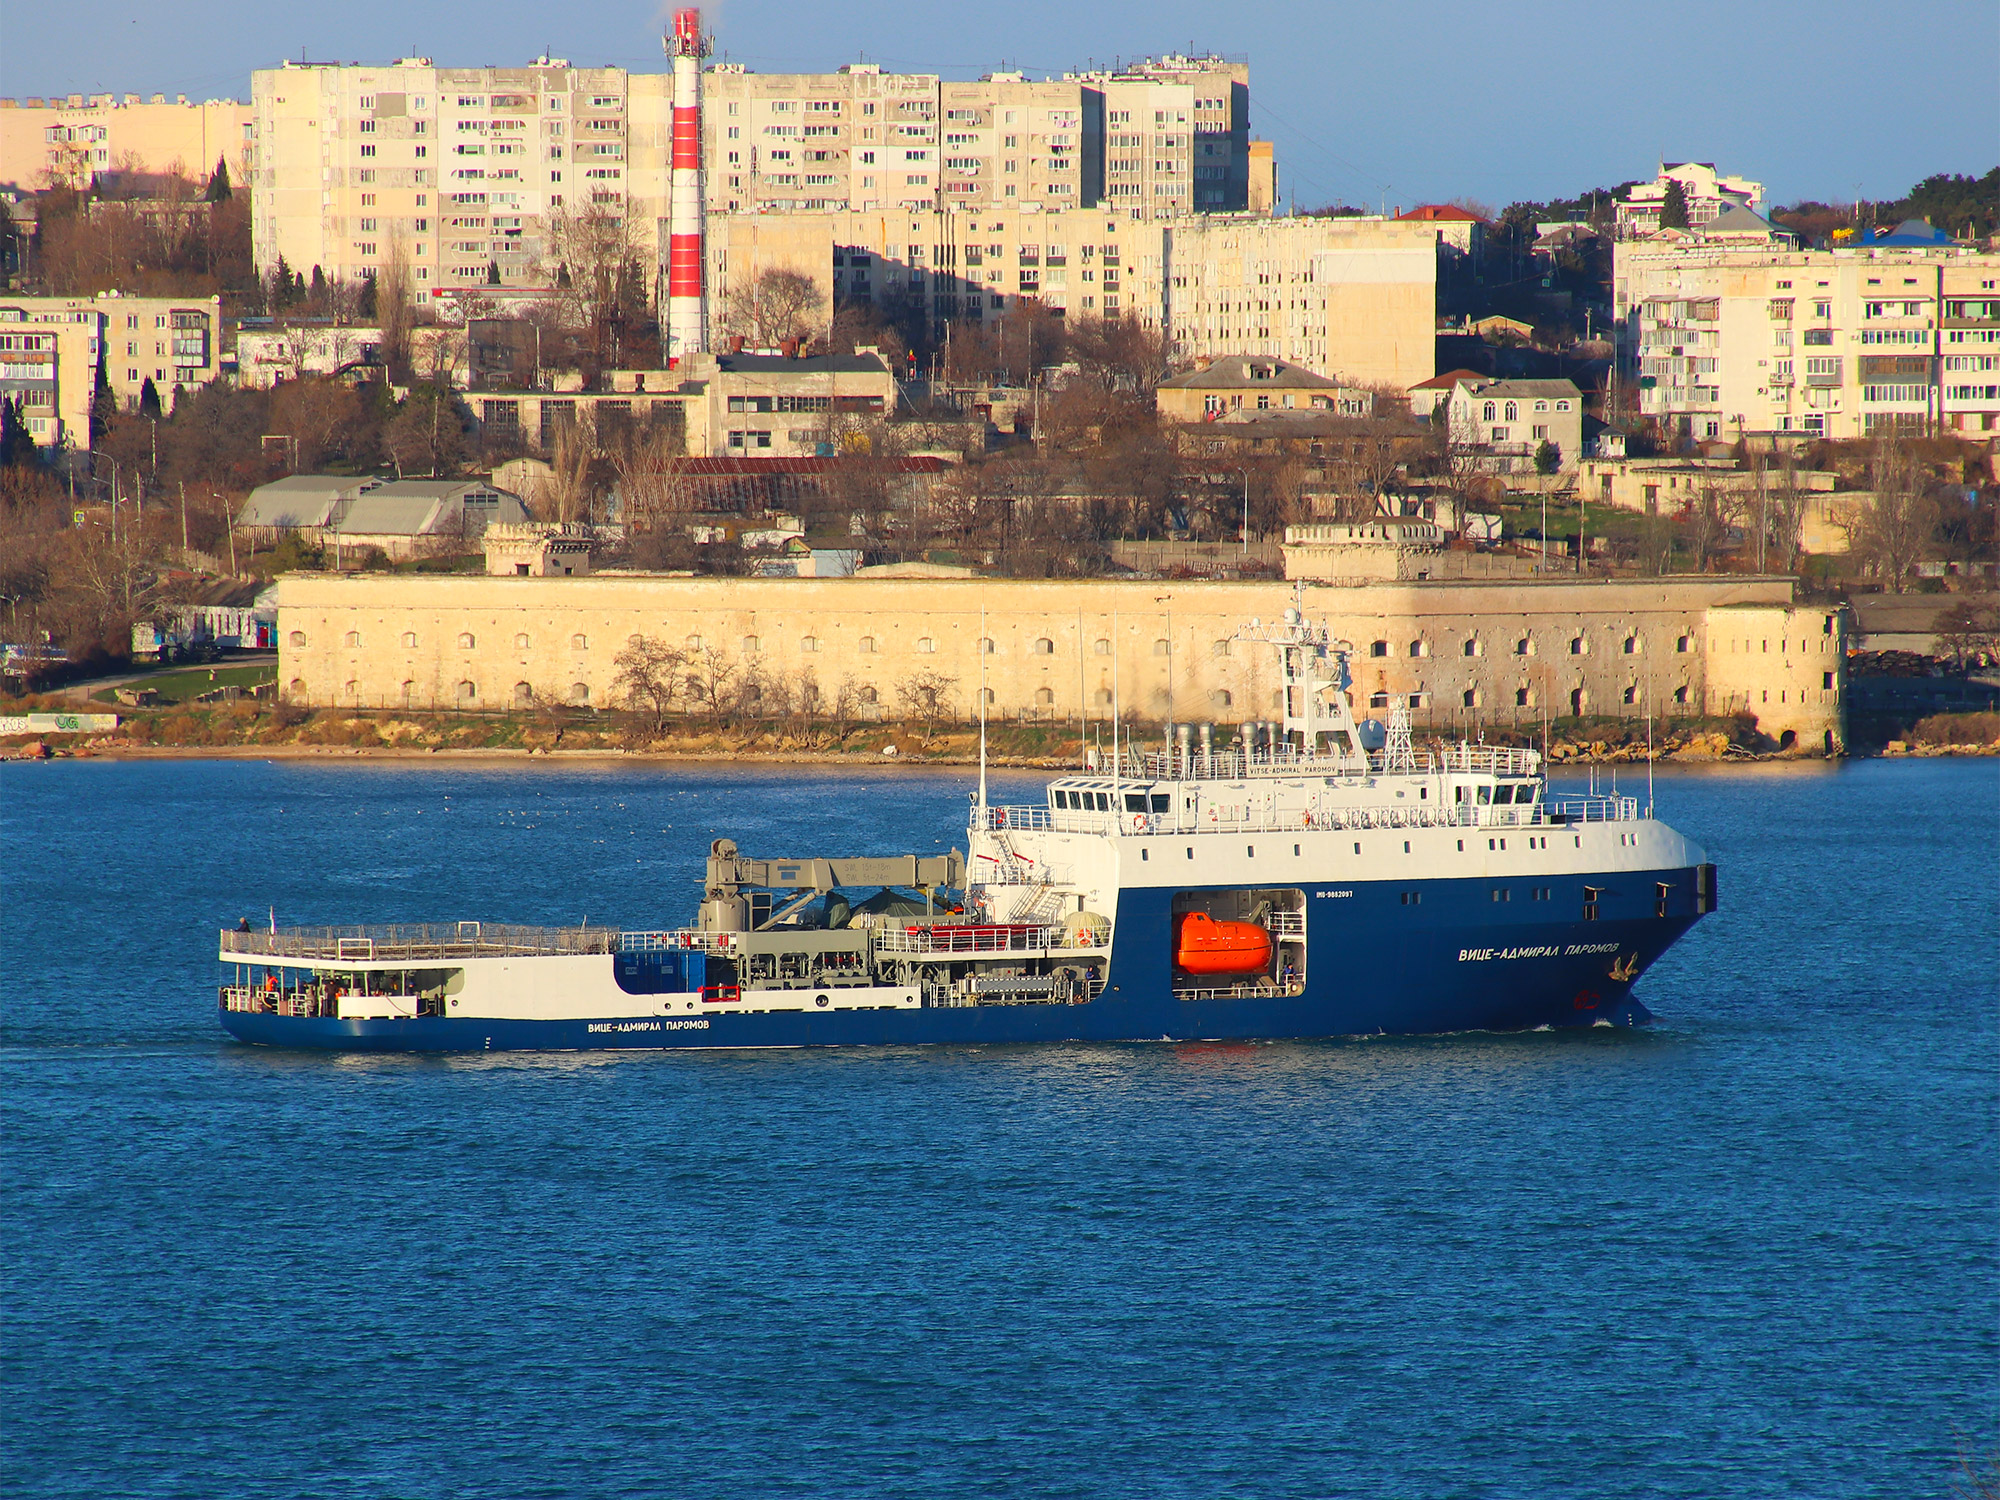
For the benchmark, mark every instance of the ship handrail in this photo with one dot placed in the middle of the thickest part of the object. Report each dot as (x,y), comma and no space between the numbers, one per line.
(994,938)
(1033,818)
(417,942)
(1288,760)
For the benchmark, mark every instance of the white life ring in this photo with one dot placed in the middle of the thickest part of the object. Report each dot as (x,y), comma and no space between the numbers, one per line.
(1138,822)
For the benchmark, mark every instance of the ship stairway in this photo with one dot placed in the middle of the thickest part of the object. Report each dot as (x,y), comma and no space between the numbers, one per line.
(1045,907)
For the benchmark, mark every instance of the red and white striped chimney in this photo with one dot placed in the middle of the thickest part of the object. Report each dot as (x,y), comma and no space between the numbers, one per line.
(687,299)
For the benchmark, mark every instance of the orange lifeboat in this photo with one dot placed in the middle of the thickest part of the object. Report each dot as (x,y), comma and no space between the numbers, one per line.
(1203,945)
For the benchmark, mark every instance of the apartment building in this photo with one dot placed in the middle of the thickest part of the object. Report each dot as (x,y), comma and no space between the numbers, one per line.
(64,142)
(463,172)
(819,142)
(1160,138)
(1844,343)
(1350,299)
(1354,299)
(49,369)
(175,342)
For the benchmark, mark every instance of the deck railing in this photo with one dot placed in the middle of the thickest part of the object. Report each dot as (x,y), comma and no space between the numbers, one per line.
(1285,760)
(1251,818)
(1000,938)
(417,943)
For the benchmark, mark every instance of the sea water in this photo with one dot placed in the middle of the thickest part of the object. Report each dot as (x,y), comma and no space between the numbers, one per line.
(1749,1251)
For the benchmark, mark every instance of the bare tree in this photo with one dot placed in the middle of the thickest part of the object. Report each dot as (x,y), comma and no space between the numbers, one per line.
(649,679)
(779,306)
(1895,528)
(711,681)
(926,696)
(568,488)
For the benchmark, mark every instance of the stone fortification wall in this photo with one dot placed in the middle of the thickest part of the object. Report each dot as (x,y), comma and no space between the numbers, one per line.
(1787,664)
(1470,653)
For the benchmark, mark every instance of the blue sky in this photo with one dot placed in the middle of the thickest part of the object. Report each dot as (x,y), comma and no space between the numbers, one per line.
(1367,102)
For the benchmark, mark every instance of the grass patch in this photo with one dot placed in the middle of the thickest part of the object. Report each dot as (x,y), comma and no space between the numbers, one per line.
(185,684)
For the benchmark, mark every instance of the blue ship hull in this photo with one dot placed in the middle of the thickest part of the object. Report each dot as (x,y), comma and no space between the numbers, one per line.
(1458,960)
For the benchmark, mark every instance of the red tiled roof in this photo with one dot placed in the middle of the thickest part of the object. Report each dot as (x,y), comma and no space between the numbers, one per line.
(1447,380)
(1432,213)
(750,467)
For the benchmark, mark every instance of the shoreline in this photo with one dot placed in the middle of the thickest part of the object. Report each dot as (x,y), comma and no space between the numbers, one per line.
(49,747)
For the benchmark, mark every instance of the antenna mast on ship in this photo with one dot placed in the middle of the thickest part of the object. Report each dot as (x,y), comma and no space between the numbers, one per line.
(982,716)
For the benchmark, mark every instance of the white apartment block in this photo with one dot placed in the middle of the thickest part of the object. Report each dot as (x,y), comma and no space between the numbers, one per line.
(1157,139)
(461,169)
(819,142)
(66,141)
(1351,299)
(174,342)
(1820,343)
(1354,299)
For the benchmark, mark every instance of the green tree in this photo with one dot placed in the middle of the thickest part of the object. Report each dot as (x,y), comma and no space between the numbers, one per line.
(1548,458)
(17,444)
(1674,210)
(149,400)
(218,183)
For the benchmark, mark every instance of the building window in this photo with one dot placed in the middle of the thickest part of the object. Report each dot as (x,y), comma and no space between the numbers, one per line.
(467,692)
(409,640)
(809,643)
(925,645)
(298,637)
(353,641)
(579,642)
(866,645)
(466,642)
(520,643)
(1045,647)
(1378,648)
(1102,648)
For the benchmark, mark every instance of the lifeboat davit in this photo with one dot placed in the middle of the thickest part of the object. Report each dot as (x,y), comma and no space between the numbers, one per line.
(1203,945)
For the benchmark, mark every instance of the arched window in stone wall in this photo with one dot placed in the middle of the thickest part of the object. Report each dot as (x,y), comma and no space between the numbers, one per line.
(521,642)
(467,692)
(409,640)
(579,692)
(353,641)
(866,645)
(1102,648)
(466,641)
(298,637)
(1045,647)
(409,692)
(579,643)
(524,695)
(295,692)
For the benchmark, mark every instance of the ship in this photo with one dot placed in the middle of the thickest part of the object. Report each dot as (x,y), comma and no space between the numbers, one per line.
(1316,877)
